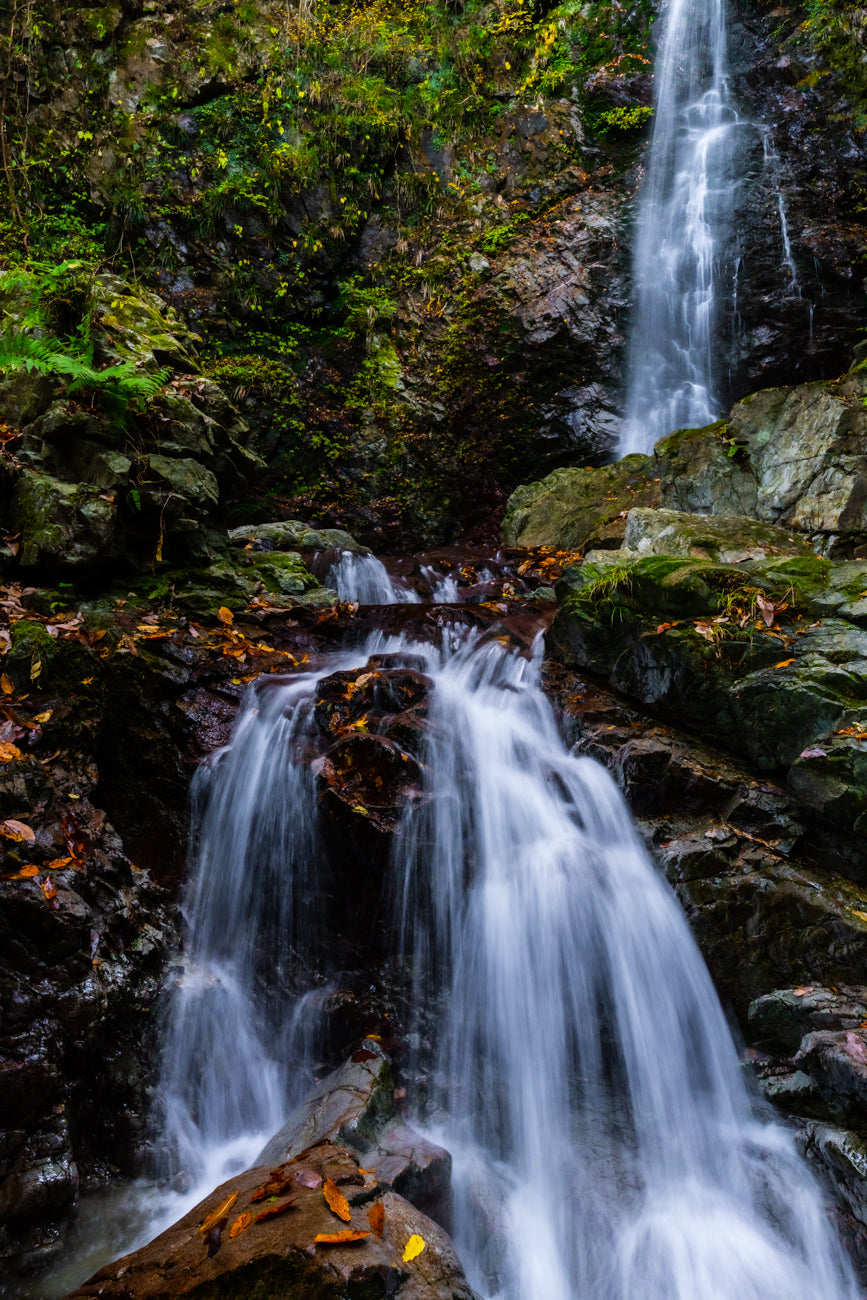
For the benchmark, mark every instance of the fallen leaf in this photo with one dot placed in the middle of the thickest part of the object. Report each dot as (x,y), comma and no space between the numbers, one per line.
(367,1171)
(376,1218)
(307,1177)
(7,685)
(413,1247)
(812,753)
(663,627)
(217,1214)
(337,1202)
(17,831)
(274,1210)
(240,1225)
(784,663)
(803,990)
(49,889)
(8,751)
(26,873)
(57,863)
(767,609)
(272,1188)
(225,615)
(345,1238)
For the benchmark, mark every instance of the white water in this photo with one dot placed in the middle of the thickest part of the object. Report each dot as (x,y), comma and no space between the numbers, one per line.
(586,1081)
(364,578)
(684,215)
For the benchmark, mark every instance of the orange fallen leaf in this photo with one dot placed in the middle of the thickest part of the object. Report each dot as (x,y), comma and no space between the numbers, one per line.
(43,717)
(413,1247)
(784,663)
(9,751)
(345,1238)
(57,863)
(17,831)
(225,615)
(49,889)
(337,1202)
(376,1218)
(274,1210)
(240,1225)
(26,873)
(7,685)
(367,1171)
(663,627)
(216,1215)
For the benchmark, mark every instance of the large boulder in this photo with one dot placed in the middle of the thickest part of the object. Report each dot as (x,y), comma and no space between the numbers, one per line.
(276,1254)
(576,508)
(793,457)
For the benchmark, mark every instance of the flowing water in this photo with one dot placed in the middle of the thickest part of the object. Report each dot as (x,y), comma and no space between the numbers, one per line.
(683,221)
(586,1084)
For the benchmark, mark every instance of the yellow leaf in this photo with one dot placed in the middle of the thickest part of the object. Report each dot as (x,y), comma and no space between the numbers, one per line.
(784,663)
(217,1214)
(225,615)
(7,685)
(413,1247)
(344,1238)
(26,873)
(9,751)
(43,717)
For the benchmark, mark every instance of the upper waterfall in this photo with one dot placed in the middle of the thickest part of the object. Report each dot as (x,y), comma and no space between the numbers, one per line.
(684,213)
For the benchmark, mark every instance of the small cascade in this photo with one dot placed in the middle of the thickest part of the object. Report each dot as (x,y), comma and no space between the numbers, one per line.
(365,579)
(254,900)
(444,590)
(683,220)
(772,171)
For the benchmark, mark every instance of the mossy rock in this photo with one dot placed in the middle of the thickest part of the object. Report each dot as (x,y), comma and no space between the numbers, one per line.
(575,508)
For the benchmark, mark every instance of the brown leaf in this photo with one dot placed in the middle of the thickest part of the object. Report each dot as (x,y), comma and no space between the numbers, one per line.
(767,609)
(17,831)
(7,685)
(49,889)
(225,615)
(308,1177)
(273,1210)
(223,1208)
(57,863)
(241,1224)
(376,1218)
(363,1054)
(345,1238)
(272,1188)
(337,1202)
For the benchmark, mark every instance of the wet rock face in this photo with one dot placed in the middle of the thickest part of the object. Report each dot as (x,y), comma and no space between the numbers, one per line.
(793,457)
(83,945)
(278,1256)
(794,312)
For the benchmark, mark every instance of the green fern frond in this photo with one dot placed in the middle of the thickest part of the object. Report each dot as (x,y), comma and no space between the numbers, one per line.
(123,382)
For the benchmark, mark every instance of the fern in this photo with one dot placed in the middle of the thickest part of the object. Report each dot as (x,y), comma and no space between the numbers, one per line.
(122,385)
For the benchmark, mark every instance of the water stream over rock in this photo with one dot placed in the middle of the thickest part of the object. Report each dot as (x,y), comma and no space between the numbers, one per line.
(585,1080)
(684,216)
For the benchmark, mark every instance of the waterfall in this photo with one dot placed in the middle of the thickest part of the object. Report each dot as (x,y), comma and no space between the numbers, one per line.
(585,1080)
(683,218)
(365,579)
(233,1056)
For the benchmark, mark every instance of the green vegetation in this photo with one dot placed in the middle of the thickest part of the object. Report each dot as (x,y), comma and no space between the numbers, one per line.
(839,31)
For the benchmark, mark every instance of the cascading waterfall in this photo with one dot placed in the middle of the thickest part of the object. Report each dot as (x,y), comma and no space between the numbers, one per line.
(234,1055)
(587,1084)
(684,214)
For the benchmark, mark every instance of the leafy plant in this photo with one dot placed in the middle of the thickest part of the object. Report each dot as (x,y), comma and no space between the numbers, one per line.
(121,386)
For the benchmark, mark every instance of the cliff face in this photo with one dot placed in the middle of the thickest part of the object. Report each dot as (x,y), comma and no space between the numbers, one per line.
(402,233)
